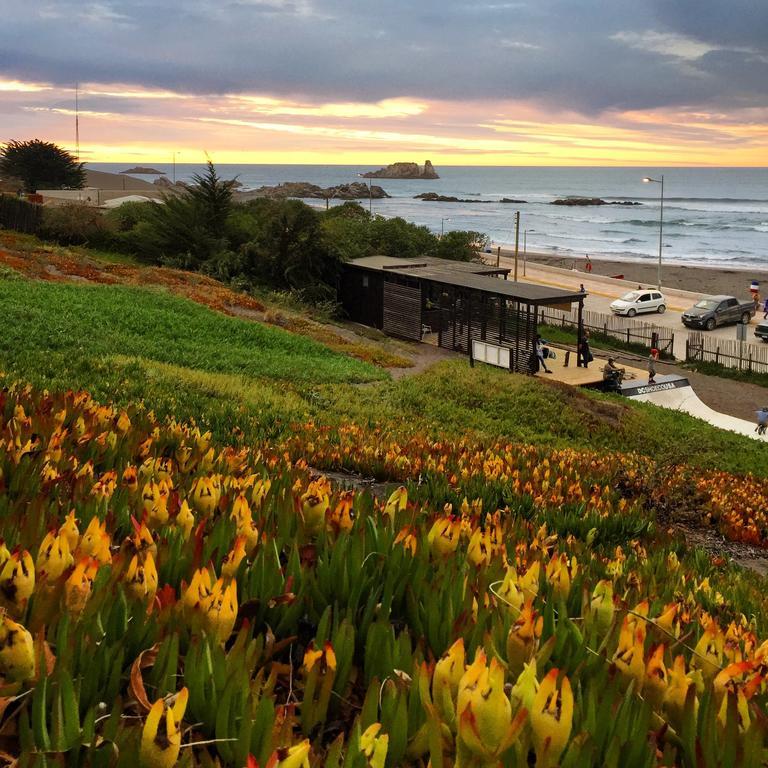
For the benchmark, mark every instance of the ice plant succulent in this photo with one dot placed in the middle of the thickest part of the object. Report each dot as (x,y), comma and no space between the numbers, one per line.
(161,735)
(551,718)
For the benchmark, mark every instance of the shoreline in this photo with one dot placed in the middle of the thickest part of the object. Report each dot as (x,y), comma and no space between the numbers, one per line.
(731,281)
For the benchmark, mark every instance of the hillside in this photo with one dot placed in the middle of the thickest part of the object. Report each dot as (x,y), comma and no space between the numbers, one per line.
(209,569)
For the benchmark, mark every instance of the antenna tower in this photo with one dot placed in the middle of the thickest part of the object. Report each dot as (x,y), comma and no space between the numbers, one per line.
(77,121)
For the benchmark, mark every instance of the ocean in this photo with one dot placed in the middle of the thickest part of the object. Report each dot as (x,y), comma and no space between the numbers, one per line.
(712,216)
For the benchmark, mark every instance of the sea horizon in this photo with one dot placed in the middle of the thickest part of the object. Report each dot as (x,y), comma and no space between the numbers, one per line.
(713,216)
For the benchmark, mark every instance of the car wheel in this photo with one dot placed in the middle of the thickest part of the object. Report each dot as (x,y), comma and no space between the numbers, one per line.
(662,309)
(631,313)
(745,318)
(710,324)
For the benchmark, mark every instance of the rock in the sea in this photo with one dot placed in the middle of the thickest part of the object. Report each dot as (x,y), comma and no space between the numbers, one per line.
(433,197)
(142,169)
(579,201)
(404,171)
(357,190)
(590,201)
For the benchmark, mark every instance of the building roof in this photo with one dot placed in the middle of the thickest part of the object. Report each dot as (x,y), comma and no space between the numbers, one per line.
(476,277)
(393,263)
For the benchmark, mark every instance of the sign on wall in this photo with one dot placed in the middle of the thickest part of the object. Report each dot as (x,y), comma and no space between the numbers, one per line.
(492,354)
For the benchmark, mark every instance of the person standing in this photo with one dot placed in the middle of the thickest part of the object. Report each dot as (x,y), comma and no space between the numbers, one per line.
(765,309)
(540,353)
(652,359)
(588,265)
(584,352)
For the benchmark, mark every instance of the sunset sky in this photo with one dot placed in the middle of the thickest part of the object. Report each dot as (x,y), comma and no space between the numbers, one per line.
(483,82)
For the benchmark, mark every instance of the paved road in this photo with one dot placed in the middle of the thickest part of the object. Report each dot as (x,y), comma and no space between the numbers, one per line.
(601,291)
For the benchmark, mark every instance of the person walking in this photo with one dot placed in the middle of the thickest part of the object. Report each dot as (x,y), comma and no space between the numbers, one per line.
(540,353)
(584,352)
(652,359)
(588,265)
(765,309)
(762,420)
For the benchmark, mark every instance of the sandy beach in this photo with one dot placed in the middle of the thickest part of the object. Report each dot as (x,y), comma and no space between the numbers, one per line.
(711,280)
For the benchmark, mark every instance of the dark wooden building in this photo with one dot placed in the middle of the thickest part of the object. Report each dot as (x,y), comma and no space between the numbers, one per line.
(456,302)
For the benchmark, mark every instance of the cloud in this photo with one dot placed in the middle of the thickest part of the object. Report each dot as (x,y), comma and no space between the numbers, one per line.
(432,68)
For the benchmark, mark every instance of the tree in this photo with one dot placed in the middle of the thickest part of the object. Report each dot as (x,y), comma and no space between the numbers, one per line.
(41,165)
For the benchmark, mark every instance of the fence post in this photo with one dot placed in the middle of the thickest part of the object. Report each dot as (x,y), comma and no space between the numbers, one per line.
(717,355)
(627,335)
(749,365)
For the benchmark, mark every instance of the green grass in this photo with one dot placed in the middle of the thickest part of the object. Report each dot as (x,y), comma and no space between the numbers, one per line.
(129,345)
(51,328)
(716,369)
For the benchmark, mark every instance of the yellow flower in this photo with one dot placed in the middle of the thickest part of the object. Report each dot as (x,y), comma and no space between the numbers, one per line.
(77,588)
(17,581)
(141,578)
(708,653)
(233,558)
(185,520)
(53,557)
(509,593)
(220,610)
(677,692)
(155,502)
(161,736)
(523,637)
(342,518)
(397,502)
(205,494)
(559,574)
(485,724)
(443,536)
(260,490)
(524,690)
(70,531)
(445,680)
(551,719)
(479,548)
(296,756)
(95,542)
(529,581)
(655,685)
(17,654)
(199,588)
(314,507)
(373,746)
(601,606)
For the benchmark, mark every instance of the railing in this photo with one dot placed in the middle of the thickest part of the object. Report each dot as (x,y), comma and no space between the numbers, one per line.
(730,353)
(612,326)
(19,215)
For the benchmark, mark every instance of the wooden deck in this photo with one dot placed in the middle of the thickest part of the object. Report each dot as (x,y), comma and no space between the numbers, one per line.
(585,377)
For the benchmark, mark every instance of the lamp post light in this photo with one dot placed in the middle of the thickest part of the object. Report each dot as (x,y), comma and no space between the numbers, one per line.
(659,181)
(370,193)
(442,226)
(525,248)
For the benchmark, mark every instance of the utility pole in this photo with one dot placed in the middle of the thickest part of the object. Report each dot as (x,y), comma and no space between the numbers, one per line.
(517,239)
(77,121)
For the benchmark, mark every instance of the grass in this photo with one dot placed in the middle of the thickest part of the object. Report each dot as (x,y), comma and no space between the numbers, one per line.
(598,340)
(231,375)
(54,326)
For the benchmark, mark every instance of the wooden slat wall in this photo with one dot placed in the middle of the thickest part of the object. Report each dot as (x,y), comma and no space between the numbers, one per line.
(402,310)
(474,315)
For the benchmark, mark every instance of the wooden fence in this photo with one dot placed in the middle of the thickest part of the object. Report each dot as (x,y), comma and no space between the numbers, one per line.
(624,329)
(19,215)
(728,352)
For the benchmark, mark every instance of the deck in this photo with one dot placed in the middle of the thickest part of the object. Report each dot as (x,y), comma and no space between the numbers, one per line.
(586,377)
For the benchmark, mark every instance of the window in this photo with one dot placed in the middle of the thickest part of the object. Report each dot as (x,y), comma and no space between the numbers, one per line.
(656,296)
(365,281)
(645,297)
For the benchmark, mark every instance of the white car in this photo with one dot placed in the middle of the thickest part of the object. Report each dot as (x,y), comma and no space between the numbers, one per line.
(637,302)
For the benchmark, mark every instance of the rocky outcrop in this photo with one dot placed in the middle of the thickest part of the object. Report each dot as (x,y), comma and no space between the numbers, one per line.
(433,197)
(303,189)
(590,201)
(142,169)
(404,171)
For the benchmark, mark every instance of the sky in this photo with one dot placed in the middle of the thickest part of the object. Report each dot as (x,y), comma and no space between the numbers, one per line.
(459,82)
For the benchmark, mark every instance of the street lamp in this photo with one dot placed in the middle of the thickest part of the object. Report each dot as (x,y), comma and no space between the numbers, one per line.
(442,225)
(525,247)
(661,222)
(370,193)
